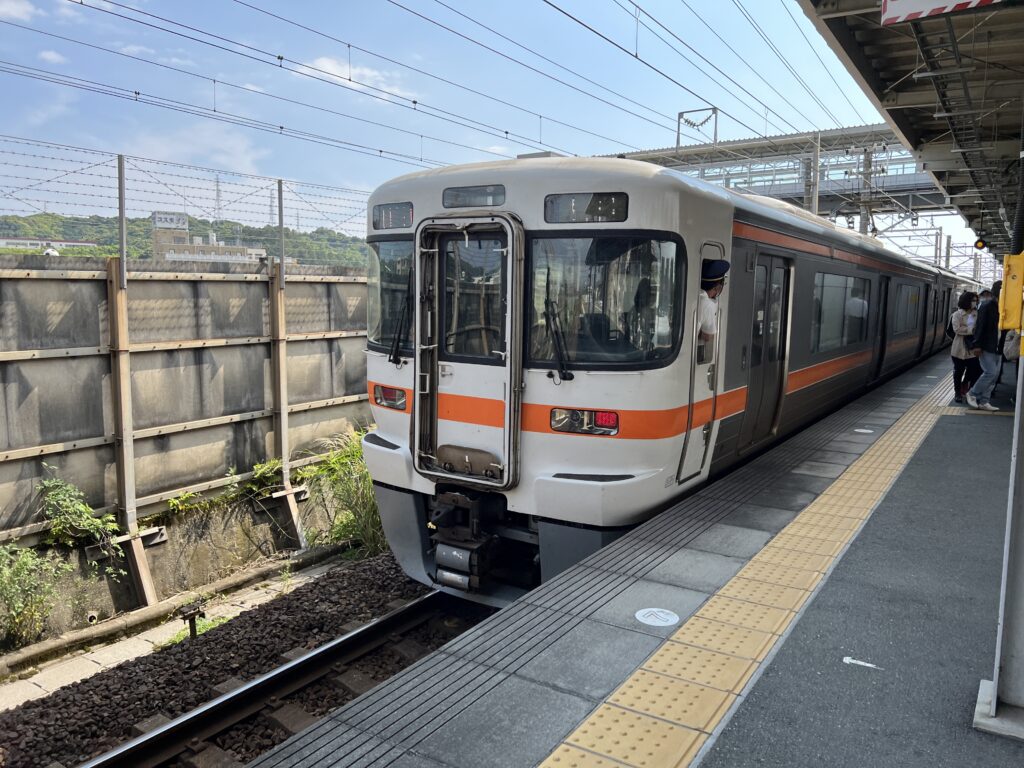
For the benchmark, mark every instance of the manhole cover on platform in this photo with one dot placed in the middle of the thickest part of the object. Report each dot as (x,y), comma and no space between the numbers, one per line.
(657,617)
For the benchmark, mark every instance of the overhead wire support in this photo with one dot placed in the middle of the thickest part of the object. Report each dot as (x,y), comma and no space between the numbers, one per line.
(641,10)
(749,66)
(653,68)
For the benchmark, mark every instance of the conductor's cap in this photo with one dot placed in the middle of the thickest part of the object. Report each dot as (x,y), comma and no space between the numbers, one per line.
(713,270)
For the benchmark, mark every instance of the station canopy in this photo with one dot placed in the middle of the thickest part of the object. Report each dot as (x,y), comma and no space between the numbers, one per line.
(950,84)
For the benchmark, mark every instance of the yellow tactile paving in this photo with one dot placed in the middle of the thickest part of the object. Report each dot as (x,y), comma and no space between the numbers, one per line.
(574,757)
(690,682)
(695,706)
(744,614)
(805,545)
(725,638)
(791,559)
(763,593)
(780,574)
(637,740)
(699,665)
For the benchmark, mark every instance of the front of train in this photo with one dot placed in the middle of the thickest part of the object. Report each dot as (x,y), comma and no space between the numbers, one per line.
(526,364)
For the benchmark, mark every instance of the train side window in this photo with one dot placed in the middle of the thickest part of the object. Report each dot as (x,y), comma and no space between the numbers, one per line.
(908,308)
(841,311)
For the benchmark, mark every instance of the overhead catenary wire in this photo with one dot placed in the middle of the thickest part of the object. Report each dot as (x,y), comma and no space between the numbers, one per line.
(640,9)
(778,54)
(749,66)
(650,66)
(278,61)
(256,91)
(218,115)
(431,75)
(822,62)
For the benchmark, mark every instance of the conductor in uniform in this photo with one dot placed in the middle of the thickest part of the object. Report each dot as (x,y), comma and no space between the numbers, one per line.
(712,283)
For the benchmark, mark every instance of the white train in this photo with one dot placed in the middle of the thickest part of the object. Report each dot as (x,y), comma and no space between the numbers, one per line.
(534,365)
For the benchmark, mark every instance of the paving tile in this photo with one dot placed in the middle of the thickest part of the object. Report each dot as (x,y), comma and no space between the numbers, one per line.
(568,756)
(516,724)
(731,540)
(621,610)
(591,659)
(162,633)
(17,693)
(412,760)
(820,469)
(836,457)
(637,739)
(690,704)
(65,673)
(763,518)
(122,650)
(847,446)
(782,498)
(695,569)
(703,666)
(794,481)
(725,638)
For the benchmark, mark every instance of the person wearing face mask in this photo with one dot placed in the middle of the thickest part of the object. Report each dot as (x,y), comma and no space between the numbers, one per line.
(986,336)
(966,368)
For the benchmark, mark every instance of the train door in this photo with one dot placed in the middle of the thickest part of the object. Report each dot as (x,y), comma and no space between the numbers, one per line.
(882,331)
(468,366)
(769,346)
(925,317)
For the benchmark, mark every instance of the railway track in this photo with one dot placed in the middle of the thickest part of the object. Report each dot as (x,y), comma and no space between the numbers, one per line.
(182,739)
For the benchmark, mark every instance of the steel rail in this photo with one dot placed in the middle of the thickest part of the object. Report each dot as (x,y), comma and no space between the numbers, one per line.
(173,738)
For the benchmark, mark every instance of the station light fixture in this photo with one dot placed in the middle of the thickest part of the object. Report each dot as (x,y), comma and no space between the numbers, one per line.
(981,244)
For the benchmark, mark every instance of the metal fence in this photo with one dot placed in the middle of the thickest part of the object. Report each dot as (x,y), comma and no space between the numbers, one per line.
(153,342)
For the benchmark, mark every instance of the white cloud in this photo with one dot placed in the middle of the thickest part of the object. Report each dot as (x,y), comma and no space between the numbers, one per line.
(218,145)
(51,57)
(18,10)
(53,108)
(136,50)
(389,81)
(254,87)
(176,61)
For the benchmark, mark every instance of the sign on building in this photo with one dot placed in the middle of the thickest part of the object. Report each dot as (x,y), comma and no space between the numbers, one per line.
(166,220)
(897,11)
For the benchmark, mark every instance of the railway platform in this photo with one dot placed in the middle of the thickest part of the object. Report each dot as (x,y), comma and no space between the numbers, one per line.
(832,602)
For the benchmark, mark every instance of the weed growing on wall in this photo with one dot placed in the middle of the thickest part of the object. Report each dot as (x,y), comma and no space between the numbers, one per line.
(73,523)
(341,487)
(28,583)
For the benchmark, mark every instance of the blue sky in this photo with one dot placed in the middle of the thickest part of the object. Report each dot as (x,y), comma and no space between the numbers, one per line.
(57,113)
(611,102)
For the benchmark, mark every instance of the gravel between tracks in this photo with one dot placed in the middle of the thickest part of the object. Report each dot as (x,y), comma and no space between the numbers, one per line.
(90,717)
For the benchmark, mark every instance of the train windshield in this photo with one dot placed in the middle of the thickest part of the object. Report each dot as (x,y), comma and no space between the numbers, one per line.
(603,301)
(389,305)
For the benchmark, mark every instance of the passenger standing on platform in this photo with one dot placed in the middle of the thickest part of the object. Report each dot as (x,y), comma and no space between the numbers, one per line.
(986,338)
(966,368)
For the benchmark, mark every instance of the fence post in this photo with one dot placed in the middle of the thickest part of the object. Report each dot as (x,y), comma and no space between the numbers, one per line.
(121,390)
(279,357)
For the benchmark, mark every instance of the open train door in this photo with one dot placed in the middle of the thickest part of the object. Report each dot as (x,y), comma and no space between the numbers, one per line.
(468,356)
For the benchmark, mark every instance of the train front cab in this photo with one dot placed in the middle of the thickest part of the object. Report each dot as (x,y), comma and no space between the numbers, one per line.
(554,391)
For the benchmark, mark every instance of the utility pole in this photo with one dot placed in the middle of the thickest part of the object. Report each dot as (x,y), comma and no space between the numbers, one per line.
(865,193)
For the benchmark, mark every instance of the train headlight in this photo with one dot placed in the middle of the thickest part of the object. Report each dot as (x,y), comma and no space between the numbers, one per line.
(389,397)
(584,422)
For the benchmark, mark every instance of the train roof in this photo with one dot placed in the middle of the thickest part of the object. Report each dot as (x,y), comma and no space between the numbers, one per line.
(609,169)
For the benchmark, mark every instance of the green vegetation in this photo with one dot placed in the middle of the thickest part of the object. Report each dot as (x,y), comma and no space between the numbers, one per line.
(73,523)
(28,586)
(202,625)
(341,487)
(320,246)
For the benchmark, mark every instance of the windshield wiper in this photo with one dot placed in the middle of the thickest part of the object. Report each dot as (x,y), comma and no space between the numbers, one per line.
(554,325)
(394,356)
